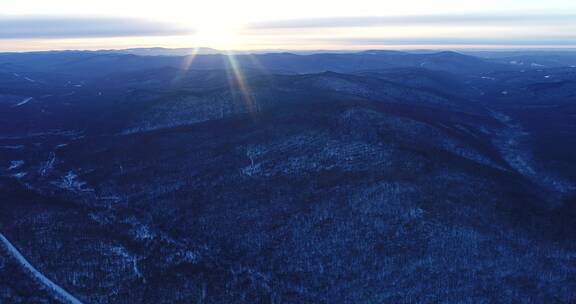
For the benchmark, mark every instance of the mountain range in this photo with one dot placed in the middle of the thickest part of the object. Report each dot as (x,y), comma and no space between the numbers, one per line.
(141,176)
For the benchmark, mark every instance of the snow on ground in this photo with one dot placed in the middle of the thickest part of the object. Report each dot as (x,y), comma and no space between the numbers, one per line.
(14,164)
(24,77)
(128,259)
(48,165)
(71,182)
(18,147)
(19,175)
(23,102)
(511,143)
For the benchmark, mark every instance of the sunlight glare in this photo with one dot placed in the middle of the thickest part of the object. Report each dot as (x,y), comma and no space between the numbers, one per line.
(240,81)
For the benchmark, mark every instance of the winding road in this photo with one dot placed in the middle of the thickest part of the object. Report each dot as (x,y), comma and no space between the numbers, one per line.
(56,291)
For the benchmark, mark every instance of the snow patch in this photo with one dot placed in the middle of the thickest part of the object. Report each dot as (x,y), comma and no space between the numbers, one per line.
(47,165)
(128,258)
(18,147)
(510,142)
(23,102)
(470,154)
(15,164)
(19,175)
(71,182)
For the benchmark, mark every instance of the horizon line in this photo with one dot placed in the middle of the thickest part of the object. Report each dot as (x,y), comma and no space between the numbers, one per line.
(503,48)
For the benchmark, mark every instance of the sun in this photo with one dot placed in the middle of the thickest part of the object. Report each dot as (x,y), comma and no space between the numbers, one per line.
(215,33)
(216,38)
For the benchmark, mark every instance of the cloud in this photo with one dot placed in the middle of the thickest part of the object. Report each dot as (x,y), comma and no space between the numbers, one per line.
(535,41)
(25,27)
(444,29)
(419,20)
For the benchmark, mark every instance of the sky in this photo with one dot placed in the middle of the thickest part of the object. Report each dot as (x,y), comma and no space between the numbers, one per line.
(28,25)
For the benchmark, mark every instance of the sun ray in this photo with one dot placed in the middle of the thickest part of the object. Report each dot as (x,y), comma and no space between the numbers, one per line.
(186,65)
(188,60)
(240,81)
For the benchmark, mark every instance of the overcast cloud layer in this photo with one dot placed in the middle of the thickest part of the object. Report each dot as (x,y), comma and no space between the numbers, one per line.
(419,20)
(557,41)
(73,27)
